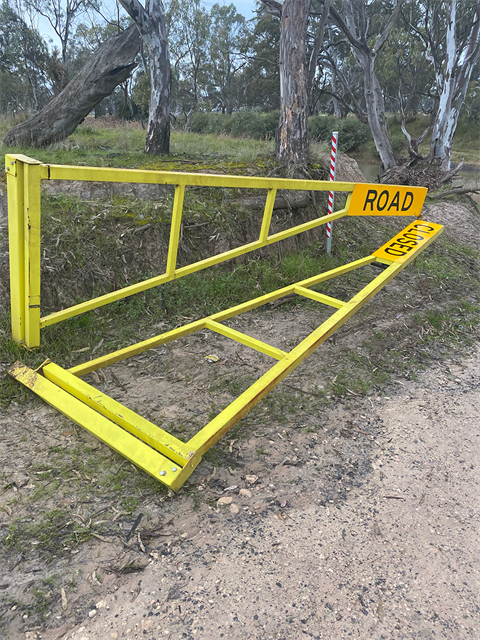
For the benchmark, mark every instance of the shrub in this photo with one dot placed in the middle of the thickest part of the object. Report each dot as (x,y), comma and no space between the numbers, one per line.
(351,132)
(320,128)
(249,123)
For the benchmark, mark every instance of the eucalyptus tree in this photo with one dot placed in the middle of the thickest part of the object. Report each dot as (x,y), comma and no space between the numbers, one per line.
(24,63)
(110,65)
(188,34)
(227,53)
(291,137)
(150,21)
(351,17)
(261,75)
(450,32)
(62,16)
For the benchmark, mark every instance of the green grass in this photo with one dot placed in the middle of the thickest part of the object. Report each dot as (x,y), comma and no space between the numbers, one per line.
(114,143)
(123,146)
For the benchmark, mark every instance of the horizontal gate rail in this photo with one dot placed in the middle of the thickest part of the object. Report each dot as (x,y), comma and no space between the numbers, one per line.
(24,176)
(221,316)
(160,454)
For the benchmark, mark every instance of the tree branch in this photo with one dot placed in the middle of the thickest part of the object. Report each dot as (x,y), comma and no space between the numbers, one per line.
(312,65)
(138,14)
(388,27)
(274,7)
(341,24)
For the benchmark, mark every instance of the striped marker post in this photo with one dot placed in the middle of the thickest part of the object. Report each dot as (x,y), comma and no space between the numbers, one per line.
(331,194)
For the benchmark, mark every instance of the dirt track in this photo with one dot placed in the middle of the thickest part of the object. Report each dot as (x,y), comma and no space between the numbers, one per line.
(387,551)
(398,558)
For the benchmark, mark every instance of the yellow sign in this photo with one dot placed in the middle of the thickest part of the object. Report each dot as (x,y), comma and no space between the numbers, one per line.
(411,239)
(386,200)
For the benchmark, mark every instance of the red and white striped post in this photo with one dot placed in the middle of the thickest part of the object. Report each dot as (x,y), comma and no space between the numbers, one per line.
(331,194)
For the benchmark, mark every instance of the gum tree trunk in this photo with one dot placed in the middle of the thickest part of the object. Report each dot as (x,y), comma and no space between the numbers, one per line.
(109,65)
(150,22)
(376,112)
(459,64)
(291,135)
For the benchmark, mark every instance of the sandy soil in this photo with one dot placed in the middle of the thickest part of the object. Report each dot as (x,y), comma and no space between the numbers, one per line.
(368,530)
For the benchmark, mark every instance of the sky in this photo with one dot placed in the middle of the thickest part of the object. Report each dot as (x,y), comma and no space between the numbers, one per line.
(244,7)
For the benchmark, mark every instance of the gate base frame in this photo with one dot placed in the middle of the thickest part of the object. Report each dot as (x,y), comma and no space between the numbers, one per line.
(154,450)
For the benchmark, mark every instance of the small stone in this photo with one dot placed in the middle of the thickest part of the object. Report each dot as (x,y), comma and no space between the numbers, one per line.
(225,500)
(92,613)
(234,508)
(101,605)
(245,493)
(251,479)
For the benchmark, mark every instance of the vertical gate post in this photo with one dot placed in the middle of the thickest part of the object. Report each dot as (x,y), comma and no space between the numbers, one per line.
(14,171)
(23,191)
(32,253)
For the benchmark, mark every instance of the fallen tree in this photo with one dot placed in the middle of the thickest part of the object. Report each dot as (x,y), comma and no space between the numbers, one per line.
(110,64)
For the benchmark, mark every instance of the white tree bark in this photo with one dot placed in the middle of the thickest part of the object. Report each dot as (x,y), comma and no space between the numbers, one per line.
(457,70)
(150,21)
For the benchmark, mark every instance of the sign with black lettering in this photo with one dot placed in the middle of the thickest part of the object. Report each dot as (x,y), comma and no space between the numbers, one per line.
(406,243)
(386,200)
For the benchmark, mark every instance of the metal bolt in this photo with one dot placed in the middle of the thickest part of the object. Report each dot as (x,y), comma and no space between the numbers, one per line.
(163,473)
(8,168)
(174,468)
(11,161)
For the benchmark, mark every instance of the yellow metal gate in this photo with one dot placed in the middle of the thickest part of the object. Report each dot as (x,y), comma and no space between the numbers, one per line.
(154,450)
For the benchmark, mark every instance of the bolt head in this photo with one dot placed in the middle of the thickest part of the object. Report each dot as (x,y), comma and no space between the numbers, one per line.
(163,473)
(174,468)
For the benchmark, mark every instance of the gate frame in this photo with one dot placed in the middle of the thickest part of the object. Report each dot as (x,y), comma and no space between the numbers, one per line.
(24,176)
(154,450)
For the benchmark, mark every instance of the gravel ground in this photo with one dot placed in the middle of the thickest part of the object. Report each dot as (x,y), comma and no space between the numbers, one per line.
(397,558)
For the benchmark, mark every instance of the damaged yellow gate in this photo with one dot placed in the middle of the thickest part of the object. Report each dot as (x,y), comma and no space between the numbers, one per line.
(154,450)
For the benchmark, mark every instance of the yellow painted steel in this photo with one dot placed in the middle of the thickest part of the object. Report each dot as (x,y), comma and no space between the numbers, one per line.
(32,253)
(215,429)
(146,431)
(267,214)
(175,229)
(24,246)
(58,316)
(25,212)
(127,445)
(157,452)
(248,341)
(106,174)
(319,297)
(16,225)
(154,450)
(145,345)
